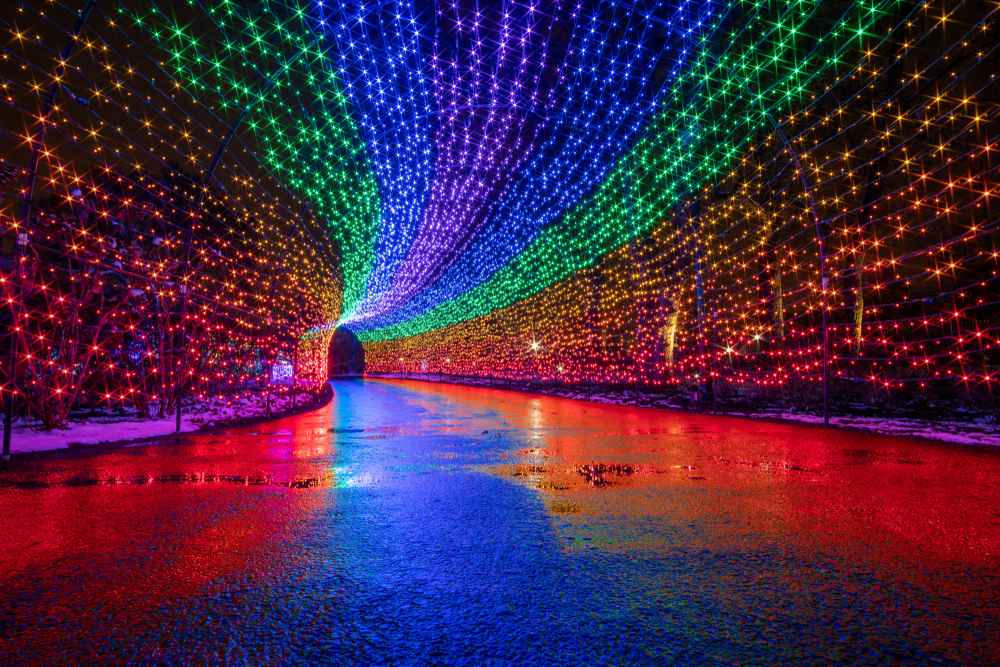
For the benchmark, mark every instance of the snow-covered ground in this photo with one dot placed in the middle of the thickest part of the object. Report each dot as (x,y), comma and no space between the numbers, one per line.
(965,433)
(215,412)
(108,428)
(974,431)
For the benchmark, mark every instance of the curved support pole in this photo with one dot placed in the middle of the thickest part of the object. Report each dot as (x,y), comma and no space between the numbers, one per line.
(186,264)
(699,269)
(37,143)
(196,213)
(715,351)
(818,221)
(820,236)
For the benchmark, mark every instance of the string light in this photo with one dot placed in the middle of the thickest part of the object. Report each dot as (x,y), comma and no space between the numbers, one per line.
(666,192)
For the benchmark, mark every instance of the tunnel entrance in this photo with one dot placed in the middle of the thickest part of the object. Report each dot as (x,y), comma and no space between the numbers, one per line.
(347,356)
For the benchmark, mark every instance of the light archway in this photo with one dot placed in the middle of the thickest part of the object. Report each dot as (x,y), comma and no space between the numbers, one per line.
(346,355)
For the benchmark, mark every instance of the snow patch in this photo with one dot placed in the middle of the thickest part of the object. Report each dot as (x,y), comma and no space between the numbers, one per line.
(204,413)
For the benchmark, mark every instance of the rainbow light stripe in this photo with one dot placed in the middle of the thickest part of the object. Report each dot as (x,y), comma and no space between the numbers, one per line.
(469,156)
(760,192)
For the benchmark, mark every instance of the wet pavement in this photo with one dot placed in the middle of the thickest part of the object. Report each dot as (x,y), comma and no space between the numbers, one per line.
(411,523)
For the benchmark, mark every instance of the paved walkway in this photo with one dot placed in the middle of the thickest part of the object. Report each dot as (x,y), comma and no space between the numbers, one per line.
(412,523)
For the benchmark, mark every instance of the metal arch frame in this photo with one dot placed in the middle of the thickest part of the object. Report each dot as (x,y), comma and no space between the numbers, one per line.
(820,240)
(37,142)
(188,239)
(818,222)
(196,213)
(820,236)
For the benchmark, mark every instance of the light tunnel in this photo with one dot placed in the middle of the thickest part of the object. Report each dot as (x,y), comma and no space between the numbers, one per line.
(774,200)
